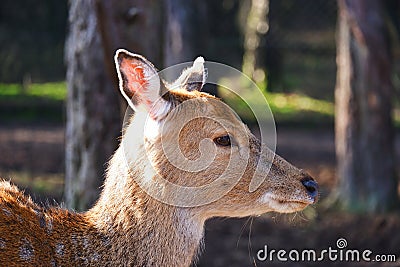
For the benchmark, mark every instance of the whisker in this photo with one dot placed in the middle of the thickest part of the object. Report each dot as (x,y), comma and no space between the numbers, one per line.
(242,230)
(294,216)
(249,245)
(302,216)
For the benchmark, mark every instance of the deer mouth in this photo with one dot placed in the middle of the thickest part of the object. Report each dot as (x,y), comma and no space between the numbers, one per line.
(282,205)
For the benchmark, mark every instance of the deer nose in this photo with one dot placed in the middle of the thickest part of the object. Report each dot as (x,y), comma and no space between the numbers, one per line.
(311,186)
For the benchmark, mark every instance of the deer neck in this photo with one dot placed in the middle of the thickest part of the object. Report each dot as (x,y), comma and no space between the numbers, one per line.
(141,229)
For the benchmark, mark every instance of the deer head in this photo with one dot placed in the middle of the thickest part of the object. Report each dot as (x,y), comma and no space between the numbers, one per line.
(193,150)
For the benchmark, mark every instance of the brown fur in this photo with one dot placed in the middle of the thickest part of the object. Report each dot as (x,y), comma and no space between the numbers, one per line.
(127,227)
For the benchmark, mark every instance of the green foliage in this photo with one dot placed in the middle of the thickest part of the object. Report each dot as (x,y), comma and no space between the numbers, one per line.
(288,108)
(38,102)
(44,185)
(56,91)
(294,103)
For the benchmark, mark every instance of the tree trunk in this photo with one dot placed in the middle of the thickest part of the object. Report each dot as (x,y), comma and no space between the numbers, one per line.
(163,31)
(364,129)
(136,25)
(184,22)
(97,29)
(186,34)
(255,27)
(93,117)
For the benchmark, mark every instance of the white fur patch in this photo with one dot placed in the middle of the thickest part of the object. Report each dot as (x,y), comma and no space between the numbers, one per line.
(283,206)
(6,212)
(160,108)
(26,251)
(152,128)
(266,198)
(60,249)
(269,199)
(188,225)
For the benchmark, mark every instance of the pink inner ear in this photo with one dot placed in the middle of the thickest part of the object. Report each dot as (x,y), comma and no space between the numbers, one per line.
(135,76)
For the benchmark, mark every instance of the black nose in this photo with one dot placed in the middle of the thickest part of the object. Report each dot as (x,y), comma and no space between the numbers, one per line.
(312,187)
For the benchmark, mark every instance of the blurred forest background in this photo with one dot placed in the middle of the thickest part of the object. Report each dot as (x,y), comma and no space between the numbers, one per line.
(289,47)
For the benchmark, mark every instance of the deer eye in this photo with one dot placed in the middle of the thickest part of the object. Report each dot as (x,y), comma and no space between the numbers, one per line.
(223,140)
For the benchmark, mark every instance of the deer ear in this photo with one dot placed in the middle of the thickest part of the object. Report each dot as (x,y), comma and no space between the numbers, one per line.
(140,84)
(193,78)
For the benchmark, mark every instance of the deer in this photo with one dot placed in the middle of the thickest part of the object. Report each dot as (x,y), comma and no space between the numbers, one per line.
(136,221)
